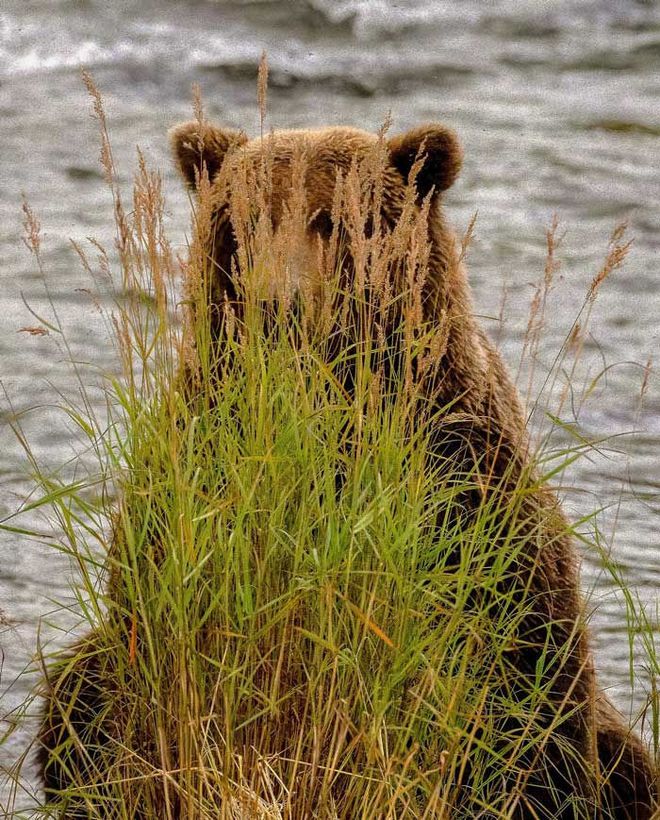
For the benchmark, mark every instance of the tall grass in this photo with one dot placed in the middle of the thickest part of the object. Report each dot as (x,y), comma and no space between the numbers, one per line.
(294,613)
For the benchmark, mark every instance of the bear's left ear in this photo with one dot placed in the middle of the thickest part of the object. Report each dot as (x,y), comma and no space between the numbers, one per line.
(441,153)
(201,145)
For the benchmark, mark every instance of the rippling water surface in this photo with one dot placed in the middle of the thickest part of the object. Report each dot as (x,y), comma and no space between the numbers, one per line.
(558,106)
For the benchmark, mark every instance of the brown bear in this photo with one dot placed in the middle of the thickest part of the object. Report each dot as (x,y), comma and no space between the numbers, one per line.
(590,765)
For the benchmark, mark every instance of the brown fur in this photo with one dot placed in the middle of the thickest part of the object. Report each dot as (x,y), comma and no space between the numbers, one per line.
(487,430)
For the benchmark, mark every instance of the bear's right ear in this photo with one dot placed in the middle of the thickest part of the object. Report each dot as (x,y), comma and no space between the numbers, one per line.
(200,145)
(440,153)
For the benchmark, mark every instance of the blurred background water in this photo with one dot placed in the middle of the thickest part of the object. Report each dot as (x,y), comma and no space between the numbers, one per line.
(558,106)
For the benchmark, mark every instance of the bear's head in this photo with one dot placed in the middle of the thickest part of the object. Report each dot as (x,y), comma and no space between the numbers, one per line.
(293,177)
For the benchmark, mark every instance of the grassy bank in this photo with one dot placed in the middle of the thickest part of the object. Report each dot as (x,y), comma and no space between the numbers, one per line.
(294,612)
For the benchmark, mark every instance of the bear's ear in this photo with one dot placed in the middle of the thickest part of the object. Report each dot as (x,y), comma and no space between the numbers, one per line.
(440,151)
(201,145)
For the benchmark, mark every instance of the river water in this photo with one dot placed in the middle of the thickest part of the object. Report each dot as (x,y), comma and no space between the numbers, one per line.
(558,106)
